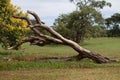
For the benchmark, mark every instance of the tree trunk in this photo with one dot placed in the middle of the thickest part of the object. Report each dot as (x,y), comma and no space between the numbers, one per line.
(78,37)
(42,39)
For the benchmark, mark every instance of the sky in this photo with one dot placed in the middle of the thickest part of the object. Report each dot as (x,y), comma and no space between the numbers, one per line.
(49,10)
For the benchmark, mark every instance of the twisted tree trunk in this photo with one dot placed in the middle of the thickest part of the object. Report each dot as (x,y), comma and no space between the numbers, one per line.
(42,40)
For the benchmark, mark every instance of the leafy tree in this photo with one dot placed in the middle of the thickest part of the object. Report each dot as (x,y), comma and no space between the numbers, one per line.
(113,25)
(11,30)
(95,31)
(87,14)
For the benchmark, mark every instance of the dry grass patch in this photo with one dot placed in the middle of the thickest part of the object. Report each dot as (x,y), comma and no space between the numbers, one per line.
(109,73)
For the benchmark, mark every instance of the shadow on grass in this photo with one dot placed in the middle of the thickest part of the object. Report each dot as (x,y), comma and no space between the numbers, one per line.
(6,53)
(39,58)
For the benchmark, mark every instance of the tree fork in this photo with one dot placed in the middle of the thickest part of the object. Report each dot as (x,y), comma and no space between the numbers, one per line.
(59,39)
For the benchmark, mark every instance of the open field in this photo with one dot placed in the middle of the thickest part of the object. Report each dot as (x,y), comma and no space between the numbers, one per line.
(31,69)
(110,73)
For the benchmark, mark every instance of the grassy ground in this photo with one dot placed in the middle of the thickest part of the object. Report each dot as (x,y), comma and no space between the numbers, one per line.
(106,46)
(57,70)
(63,74)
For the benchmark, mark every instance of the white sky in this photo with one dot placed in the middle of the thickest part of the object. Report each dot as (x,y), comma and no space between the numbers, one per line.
(49,10)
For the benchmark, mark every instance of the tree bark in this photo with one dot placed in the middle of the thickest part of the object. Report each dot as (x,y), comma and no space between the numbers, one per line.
(42,39)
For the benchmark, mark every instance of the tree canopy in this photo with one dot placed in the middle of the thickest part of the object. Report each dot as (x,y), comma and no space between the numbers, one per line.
(113,25)
(76,23)
(11,30)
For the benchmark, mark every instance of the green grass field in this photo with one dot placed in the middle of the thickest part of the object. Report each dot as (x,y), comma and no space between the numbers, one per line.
(27,69)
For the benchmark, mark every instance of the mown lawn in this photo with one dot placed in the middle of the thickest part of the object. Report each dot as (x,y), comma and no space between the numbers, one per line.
(57,70)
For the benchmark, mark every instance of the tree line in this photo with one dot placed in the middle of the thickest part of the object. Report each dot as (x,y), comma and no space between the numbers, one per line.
(87,21)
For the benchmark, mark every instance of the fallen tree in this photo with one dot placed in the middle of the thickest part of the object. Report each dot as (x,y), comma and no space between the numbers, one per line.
(41,39)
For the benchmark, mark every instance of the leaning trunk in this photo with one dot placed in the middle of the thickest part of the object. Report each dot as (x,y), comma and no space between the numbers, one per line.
(84,53)
(41,40)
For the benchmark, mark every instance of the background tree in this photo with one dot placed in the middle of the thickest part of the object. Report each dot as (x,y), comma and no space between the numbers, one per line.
(95,32)
(11,30)
(113,25)
(76,24)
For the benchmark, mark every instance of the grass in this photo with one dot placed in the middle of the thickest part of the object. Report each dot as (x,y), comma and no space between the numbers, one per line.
(106,46)
(20,65)
(63,74)
(57,70)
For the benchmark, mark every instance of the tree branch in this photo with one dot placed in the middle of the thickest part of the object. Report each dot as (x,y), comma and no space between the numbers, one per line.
(35,16)
(24,18)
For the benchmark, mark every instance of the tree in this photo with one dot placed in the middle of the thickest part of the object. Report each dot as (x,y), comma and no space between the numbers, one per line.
(95,32)
(41,39)
(11,30)
(113,25)
(86,15)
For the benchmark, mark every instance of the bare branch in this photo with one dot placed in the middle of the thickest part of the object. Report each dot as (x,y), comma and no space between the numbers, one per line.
(20,43)
(66,41)
(40,41)
(36,17)
(24,18)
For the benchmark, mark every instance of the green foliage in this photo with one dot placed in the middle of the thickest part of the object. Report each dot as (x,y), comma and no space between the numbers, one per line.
(113,25)
(75,25)
(11,30)
(95,32)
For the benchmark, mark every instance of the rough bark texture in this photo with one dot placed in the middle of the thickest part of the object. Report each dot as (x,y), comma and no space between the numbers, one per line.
(42,40)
